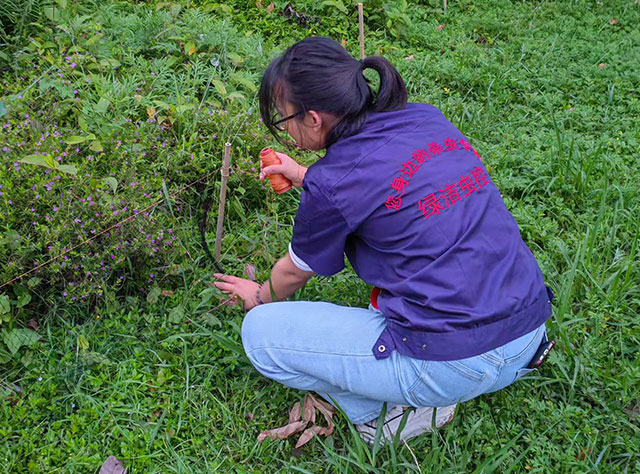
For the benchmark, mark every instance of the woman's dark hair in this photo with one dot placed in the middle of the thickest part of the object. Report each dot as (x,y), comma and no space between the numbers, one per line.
(319,74)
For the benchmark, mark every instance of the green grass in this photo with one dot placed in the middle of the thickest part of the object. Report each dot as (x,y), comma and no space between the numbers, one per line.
(548,92)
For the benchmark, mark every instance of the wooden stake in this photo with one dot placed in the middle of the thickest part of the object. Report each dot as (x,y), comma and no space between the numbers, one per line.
(223,198)
(445,6)
(361,22)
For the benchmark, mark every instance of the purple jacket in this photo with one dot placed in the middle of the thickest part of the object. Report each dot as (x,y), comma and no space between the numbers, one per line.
(409,202)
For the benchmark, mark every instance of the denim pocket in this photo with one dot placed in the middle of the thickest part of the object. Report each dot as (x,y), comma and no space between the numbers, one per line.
(448,382)
(522,372)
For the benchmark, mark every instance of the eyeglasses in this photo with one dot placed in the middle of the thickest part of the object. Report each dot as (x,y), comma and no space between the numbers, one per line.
(277,124)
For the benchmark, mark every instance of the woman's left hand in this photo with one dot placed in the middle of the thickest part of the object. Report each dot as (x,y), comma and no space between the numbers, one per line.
(241,288)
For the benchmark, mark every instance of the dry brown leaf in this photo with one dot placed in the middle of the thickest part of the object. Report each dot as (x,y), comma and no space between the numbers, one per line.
(344,42)
(151,112)
(167,293)
(325,408)
(249,416)
(271,7)
(250,271)
(307,435)
(439,27)
(283,432)
(311,404)
(411,57)
(33,325)
(113,465)
(613,21)
(296,413)
(309,411)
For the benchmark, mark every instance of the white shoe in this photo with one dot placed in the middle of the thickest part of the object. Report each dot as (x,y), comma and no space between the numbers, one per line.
(418,421)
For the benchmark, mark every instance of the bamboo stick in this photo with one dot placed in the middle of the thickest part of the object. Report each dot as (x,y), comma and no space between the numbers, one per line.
(361,22)
(223,198)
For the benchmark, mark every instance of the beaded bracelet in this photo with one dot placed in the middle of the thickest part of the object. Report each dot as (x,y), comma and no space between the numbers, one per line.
(258,298)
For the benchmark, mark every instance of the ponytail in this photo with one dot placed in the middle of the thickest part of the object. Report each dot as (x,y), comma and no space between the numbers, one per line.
(392,94)
(319,74)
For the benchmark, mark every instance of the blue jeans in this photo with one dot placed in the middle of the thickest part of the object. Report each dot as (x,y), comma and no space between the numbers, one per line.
(326,348)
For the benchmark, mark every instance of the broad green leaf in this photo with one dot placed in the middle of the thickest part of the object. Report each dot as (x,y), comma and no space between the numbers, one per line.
(52,13)
(222,90)
(62,3)
(235,58)
(17,338)
(51,163)
(237,95)
(184,107)
(23,300)
(102,105)
(5,305)
(171,60)
(69,169)
(75,139)
(96,146)
(95,358)
(83,342)
(112,182)
(190,48)
(93,39)
(176,315)
(238,79)
(39,160)
(33,282)
(82,123)
(153,295)
(336,4)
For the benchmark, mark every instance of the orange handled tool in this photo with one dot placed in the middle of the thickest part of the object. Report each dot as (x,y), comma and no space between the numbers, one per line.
(279,183)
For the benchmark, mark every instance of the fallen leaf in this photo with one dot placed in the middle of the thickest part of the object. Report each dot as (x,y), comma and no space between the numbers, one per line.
(481,40)
(283,432)
(250,271)
(613,21)
(307,435)
(411,57)
(311,404)
(33,324)
(602,64)
(439,27)
(295,413)
(167,293)
(270,8)
(249,416)
(113,465)
(309,412)
(151,112)
(344,42)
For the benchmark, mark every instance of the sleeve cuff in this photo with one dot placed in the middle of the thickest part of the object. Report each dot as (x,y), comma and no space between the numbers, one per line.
(298,262)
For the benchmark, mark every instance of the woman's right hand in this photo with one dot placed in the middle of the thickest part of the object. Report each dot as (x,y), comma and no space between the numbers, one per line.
(289,168)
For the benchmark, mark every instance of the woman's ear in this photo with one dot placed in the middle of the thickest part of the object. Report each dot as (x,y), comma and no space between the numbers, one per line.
(315,120)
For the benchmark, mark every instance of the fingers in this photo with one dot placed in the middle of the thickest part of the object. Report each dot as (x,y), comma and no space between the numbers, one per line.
(227,278)
(226,287)
(273,169)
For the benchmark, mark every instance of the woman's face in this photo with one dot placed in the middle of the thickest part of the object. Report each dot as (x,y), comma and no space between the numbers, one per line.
(308,131)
